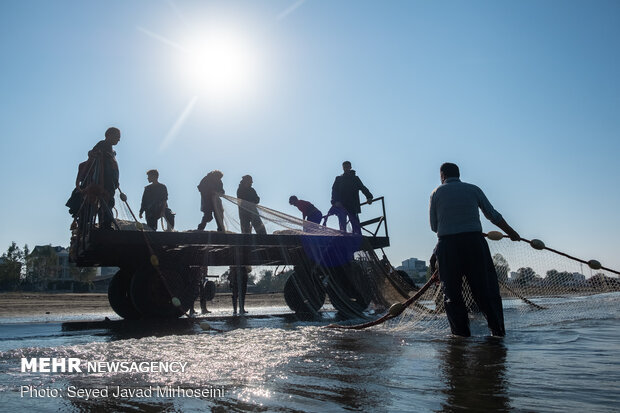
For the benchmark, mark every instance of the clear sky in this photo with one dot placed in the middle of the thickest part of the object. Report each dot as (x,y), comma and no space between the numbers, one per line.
(523,95)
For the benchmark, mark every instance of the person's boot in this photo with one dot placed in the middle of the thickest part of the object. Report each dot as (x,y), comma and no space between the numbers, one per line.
(203,308)
(242,306)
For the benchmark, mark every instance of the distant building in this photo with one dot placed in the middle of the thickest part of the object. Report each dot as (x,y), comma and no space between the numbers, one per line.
(414,267)
(49,269)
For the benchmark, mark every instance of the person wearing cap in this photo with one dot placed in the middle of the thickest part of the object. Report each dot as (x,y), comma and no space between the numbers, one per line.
(462,250)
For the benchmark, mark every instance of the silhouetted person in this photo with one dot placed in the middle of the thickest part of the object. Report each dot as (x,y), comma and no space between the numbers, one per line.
(248,213)
(103,151)
(308,211)
(154,200)
(462,250)
(200,281)
(238,279)
(333,210)
(211,188)
(346,197)
(77,198)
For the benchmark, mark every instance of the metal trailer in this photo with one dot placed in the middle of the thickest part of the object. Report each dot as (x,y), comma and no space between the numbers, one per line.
(160,271)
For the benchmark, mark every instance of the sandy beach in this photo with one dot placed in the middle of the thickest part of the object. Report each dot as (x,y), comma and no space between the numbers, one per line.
(20,304)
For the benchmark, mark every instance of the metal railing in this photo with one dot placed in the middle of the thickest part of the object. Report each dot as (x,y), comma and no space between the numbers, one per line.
(380,221)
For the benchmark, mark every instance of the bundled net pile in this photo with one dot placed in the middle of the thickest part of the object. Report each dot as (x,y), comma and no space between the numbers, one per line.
(330,267)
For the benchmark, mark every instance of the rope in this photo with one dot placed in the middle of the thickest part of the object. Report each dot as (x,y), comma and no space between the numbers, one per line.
(154,258)
(516,294)
(539,245)
(395,310)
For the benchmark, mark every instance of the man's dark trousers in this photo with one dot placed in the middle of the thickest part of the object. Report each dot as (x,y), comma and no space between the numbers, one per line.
(467,255)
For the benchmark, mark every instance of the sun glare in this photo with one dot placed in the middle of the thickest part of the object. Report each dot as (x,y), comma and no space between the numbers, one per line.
(220,64)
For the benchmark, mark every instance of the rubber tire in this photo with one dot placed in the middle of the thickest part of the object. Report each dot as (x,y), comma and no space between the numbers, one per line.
(348,290)
(150,296)
(119,295)
(304,292)
(210,289)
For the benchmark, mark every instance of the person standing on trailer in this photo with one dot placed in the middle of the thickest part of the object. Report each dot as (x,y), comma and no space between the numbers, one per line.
(106,155)
(462,250)
(211,188)
(154,200)
(346,197)
(248,213)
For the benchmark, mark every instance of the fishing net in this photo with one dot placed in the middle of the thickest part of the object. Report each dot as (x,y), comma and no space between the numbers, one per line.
(538,286)
(319,268)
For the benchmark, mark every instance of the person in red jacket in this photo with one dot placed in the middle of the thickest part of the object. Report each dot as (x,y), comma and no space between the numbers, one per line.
(308,211)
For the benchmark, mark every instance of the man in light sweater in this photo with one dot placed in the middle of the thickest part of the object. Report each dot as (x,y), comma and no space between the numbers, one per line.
(462,250)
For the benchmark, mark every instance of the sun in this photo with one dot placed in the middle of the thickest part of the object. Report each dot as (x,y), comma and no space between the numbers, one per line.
(220,64)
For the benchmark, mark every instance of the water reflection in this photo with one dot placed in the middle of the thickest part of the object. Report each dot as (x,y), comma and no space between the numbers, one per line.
(135,329)
(475,375)
(348,371)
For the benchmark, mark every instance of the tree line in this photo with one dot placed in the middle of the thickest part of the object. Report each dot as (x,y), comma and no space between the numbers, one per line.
(265,282)
(22,269)
(527,277)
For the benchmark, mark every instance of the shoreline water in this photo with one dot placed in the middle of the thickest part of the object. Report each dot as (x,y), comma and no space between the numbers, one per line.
(563,358)
(47,304)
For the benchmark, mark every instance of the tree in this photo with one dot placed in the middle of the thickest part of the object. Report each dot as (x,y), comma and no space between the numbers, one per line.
(264,284)
(501,267)
(554,277)
(600,280)
(83,274)
(270,282)
(42,265)
(11,267)
(526,276)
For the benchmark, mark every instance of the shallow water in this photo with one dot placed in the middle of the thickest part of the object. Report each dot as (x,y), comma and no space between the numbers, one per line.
(561,359)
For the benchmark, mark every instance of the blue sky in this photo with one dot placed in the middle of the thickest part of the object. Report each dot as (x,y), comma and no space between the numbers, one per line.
(524,96)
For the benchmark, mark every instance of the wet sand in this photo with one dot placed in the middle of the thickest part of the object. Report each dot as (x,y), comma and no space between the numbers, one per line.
(21,304)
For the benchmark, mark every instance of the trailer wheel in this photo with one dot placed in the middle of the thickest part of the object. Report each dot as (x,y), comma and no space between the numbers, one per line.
(304,292)
(152,294)
(119,295)
(348,290)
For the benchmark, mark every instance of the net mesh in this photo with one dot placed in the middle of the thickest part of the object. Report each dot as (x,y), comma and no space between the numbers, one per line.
(537,287)
(333,270)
